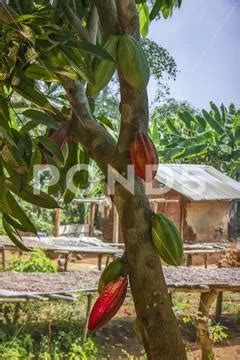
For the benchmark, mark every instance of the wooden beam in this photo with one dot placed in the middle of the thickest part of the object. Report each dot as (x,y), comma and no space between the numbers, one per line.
(115,226)
(92,218)
(89,305)
(203,322)
(57,222)
(218,311)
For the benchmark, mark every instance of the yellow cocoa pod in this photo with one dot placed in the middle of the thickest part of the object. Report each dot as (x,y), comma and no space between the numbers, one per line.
(104,69)
(133,62)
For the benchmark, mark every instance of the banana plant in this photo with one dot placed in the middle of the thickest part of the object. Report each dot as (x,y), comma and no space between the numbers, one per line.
(209,137)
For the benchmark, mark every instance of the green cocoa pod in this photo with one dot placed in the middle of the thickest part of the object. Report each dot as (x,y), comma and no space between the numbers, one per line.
(133,62)
(104,69)
(115,269)
(167,240)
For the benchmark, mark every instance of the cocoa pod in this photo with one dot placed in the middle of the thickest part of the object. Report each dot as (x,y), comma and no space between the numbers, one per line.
(143,153)
(115,269)
(133,62)
(108,303)
(61,135)
(104,69)
(167,240)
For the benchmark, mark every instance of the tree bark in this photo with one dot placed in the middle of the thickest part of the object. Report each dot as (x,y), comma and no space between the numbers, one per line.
(159,328)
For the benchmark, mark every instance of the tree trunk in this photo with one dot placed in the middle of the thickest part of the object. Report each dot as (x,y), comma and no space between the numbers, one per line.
(159,329)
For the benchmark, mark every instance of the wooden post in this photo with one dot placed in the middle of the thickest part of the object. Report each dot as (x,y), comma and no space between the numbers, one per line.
(115,226)
(206,260)
(202,323)
(57,222)
(189,260)
(218,311)
(3,258)
(91,218)
(100,256)
(89,304)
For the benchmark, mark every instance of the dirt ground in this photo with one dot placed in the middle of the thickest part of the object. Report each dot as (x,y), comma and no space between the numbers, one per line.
(121,342)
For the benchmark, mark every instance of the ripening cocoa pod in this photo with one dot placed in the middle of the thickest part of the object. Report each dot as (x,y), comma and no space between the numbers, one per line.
(115,269)
(133,62)
(108,303)
(143,153)
(61,135)
(167,240)
(103,69)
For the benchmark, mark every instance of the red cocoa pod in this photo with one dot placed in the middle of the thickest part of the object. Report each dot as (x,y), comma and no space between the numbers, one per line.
(108,303)
(143,153)
(61,135)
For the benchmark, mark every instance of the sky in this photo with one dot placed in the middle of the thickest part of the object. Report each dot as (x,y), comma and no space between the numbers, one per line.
(204,38)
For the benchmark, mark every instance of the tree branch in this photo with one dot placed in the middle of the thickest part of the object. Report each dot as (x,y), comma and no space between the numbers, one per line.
(128,17)
(77,24)
(108,17)
(92,24)
(85,129)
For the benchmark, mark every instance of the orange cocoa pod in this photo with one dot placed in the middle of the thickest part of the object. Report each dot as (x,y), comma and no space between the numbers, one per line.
(143,153)
(108,303)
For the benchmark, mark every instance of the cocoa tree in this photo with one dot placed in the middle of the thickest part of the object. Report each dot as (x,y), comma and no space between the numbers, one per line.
(50,53)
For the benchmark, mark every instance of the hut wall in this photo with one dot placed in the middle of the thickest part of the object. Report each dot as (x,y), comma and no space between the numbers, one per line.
(172,210)
(207,221)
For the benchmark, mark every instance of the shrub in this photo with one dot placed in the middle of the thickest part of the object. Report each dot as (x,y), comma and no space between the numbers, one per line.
(37,261)
(66,344)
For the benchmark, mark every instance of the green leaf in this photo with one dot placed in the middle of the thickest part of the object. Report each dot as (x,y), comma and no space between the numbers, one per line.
(32,195)
(36,159)
(15,224)
(156,9)
(224,113)
(201,122)
(187,118)
(41,118)
(166,12)
(194,151)
(144,19)
(105,121)
(170,124)
(217,113)
(18,213)
(13,235)
(154,134)
(4,111)
(28,33)
(213,123)
(7,136)
(41,72)
(23,18)
(27,90)
(12,160)
(174,153)
(52,147)
(95,50)
(78,64)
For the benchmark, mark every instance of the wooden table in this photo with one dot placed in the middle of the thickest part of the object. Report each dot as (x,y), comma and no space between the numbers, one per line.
(64,250)
(17,287)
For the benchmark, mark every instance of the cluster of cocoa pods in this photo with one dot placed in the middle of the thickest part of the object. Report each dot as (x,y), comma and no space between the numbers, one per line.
(125,51)
(112,290)
(112,286)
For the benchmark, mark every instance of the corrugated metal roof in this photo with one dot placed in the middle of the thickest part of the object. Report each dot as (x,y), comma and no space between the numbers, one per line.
(198,182)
